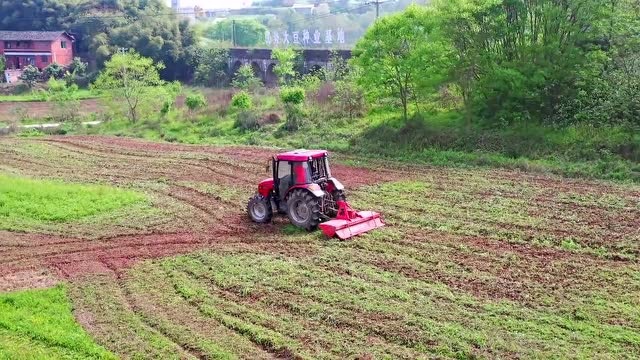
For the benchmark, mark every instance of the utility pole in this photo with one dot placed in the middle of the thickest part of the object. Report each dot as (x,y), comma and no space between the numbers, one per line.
(233,32)
(377,4)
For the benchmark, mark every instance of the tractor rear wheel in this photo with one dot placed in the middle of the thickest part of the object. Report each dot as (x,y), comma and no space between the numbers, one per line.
(259,209)
(303,209)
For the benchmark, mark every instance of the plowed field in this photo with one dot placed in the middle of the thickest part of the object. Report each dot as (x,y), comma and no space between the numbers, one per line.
(474,263)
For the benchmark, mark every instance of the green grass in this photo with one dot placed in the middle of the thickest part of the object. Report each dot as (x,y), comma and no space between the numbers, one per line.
(29,202)
(438,139)
(39,324)
(472,264)
(83,94)
(351,300)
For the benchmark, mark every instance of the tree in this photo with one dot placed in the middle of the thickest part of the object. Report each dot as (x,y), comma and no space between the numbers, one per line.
(103,27)
(30,75)
(520,60)
(210,65)
(131,78)
(284,69)
(248,32)
(402,57)
(245,79)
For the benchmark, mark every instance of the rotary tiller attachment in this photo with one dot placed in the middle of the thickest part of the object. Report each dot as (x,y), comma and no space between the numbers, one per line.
(349,223)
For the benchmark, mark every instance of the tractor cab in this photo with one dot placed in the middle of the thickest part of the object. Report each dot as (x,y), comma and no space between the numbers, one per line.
(300,169)
(303,188)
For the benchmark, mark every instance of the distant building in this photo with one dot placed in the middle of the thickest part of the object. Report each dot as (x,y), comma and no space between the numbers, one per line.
(304,9)
(175,4)
(37,48)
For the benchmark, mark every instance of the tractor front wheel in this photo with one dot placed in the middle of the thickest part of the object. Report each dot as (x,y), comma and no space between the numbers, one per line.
(303,209)
(259,209)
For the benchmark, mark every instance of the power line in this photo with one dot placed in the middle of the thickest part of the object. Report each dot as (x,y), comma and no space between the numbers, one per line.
(377,4)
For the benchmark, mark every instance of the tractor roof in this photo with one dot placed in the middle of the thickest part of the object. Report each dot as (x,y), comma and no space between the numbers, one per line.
(301,155)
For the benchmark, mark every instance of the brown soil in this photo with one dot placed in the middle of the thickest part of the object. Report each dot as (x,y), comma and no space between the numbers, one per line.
(210,221)
(35,260)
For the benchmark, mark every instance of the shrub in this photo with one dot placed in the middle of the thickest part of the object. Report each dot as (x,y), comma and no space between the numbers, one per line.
(311,82)
(241,100)
(295,116)
(247,120)
(54,70)
(349,99)
(78,67)
(65,99)
(30,75)
(195,102)
(245,79)
(292,95)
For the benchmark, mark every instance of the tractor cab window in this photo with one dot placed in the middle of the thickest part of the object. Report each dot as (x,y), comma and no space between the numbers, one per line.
(302,173)
(319,169)
(284,169)
(284,177)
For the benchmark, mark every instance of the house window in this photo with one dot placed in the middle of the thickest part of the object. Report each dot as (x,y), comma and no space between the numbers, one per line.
(7,44)
(63,44)
(45,59)
(17,44)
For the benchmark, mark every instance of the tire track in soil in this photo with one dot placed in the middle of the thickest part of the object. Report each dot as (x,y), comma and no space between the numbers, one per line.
(131,306)
(152,158)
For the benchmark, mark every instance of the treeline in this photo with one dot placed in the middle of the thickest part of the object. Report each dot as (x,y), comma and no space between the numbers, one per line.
(104,27)
(504,62)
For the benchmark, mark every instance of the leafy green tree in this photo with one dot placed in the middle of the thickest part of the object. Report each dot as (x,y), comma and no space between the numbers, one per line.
(248,32)
(402,57)
(131,79)
(284,69)
(30,75)
(246,79)
(519,60)
(103,27)
(210,65)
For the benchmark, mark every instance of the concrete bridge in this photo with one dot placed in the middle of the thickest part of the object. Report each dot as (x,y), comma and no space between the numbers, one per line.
(260,60)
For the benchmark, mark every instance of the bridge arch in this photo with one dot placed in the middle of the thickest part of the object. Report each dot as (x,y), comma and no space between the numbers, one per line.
(234,69)
(257,70)
(270,77)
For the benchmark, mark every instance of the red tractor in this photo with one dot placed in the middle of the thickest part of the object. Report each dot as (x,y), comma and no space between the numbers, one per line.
(302,187)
